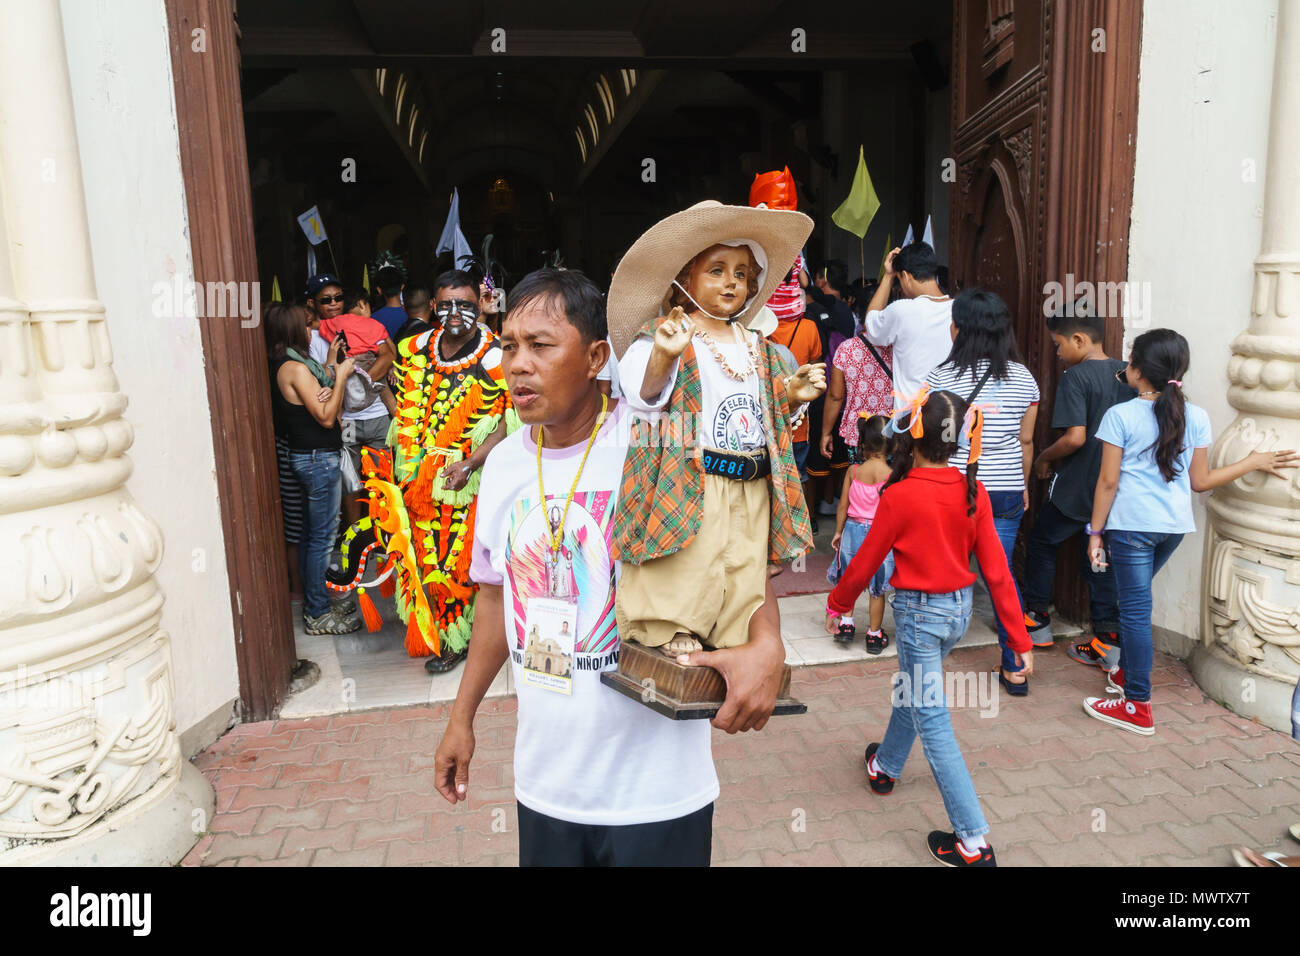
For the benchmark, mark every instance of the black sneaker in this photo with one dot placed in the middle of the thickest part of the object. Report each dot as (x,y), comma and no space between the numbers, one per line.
(881,783)
(947,849)
(440,664)
(845,634)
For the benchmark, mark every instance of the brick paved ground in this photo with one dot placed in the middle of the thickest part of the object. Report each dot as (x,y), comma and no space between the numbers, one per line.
(358,788)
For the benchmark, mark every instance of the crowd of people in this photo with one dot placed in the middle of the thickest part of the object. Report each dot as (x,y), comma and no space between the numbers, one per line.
(450,430)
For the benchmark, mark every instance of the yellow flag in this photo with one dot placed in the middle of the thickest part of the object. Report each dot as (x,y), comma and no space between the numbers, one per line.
(857,211)
(365,278)
(275,289)
(889,245)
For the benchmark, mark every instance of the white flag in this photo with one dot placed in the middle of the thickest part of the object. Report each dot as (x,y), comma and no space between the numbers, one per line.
(907,239)
(452,239)
(312,226)
(928,238)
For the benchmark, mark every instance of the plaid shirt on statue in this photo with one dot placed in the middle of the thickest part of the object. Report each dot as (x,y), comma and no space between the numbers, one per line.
(661,497)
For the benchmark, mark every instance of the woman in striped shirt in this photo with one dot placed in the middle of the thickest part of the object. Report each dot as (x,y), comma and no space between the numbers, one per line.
(985,368)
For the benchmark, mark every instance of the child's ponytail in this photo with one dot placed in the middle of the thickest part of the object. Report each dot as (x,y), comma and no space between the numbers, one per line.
(971,494)
(903,446)
(1162,356)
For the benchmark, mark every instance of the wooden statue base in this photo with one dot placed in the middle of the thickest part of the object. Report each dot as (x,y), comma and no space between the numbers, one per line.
(678,691)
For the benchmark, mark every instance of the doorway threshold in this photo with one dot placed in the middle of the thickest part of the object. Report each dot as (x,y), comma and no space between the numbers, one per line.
(370,671)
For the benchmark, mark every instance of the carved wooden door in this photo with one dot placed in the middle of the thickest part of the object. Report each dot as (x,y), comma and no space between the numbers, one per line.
(1044,112)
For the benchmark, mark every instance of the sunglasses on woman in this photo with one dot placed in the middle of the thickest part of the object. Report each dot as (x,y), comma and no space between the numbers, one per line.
(1120,376)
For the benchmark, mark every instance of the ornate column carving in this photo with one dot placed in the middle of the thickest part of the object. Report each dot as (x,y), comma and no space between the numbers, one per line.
(88,749)
(1250,615)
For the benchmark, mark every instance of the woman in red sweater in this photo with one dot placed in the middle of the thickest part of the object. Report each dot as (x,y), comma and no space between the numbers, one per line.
(933,517)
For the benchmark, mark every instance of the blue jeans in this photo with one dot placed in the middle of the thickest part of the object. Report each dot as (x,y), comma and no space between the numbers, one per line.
(318,470)
(1008,512)
(855,532)
(1051,528)
(1136,557)
(928,627)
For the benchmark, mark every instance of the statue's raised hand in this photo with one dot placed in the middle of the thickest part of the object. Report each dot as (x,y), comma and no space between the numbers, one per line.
(806,384)
(674,333)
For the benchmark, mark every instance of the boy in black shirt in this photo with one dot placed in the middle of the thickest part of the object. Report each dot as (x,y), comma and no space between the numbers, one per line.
(1087,389)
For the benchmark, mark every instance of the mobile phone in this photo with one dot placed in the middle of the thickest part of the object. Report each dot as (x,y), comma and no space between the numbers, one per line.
(341,337)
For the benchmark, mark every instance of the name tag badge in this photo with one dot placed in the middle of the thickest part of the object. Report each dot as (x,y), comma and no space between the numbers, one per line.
(550,627)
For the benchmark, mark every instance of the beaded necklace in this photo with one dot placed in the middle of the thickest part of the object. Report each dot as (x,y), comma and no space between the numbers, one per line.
(460,364)
(751,353)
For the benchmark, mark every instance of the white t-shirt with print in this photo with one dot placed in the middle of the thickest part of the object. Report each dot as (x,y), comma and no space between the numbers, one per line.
(732,411)
(594,756)
(920,331)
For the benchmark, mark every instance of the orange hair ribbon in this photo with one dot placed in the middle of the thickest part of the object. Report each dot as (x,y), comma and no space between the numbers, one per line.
(914,405)
(975,429)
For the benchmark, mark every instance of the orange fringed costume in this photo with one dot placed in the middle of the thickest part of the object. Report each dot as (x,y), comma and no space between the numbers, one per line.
(445,411)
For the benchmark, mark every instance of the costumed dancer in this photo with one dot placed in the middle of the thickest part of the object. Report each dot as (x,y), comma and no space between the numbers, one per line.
(710,494)
(453,407)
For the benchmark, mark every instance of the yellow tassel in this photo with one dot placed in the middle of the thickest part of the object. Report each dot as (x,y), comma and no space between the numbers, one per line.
(369,613)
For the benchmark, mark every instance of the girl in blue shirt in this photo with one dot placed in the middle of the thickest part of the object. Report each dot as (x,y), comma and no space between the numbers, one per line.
(1153,457)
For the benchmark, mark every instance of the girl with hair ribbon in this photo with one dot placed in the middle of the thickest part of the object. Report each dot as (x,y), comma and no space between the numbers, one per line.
(933,518)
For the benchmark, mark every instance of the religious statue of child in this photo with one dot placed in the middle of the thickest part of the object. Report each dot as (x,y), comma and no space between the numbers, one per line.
(710,494)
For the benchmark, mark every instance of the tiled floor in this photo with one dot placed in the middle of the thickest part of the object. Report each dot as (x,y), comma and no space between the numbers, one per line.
(1058,788)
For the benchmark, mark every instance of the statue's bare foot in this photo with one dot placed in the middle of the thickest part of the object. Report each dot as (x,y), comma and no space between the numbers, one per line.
(681,644)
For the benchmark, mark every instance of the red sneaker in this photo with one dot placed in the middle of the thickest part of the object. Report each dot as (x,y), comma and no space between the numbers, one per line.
(1115,681)
(1134,715)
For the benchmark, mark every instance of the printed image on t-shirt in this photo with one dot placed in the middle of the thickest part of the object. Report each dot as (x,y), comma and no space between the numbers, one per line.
(738,424)
(581,571)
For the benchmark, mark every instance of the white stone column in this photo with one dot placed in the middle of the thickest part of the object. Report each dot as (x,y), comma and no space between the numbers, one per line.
(1249,655)
(90,764)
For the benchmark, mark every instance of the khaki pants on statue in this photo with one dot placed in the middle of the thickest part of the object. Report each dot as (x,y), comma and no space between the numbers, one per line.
(713,586)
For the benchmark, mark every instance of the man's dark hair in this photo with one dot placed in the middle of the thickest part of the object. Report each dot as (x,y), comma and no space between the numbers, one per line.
(354,297)
(918,260)
(416,297)
(583,304)
(389,281)
(455,279)
(1066,321)
(836,274)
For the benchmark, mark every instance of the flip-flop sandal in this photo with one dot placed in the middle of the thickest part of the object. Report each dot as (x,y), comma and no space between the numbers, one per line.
(1247,857)
(1294,830)
(1015,690)
(876,642)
